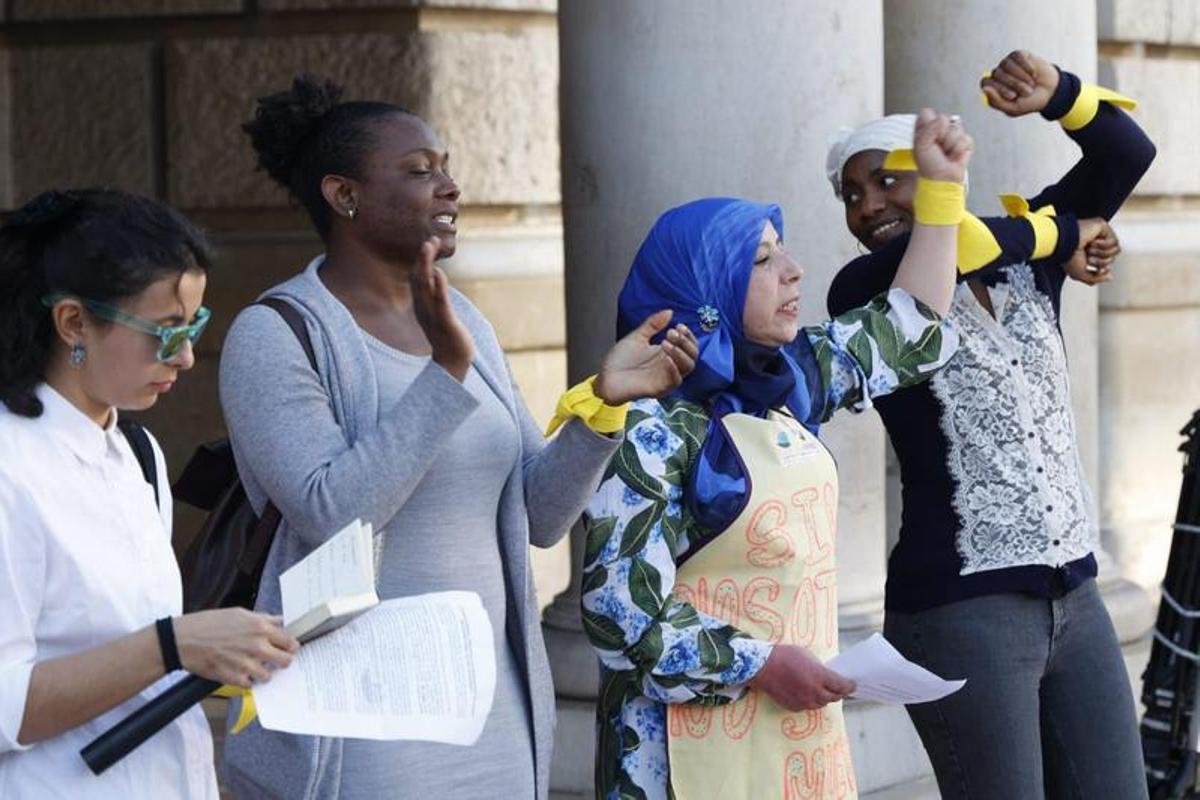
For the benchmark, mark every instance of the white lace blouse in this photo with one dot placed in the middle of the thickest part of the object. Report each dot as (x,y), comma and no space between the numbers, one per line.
(994,495)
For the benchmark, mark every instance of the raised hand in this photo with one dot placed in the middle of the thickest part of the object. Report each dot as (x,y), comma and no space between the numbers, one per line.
(635,368)
(233,645)
(796,680)
(941,147)
(453,347)
(1021,83)
(1091,263)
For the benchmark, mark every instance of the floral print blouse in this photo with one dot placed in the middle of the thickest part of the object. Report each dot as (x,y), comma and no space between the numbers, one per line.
(655,649)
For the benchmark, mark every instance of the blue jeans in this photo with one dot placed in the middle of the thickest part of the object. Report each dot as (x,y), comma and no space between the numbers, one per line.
(1047,710)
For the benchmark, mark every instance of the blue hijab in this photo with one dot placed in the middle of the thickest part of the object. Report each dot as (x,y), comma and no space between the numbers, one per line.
(697,261)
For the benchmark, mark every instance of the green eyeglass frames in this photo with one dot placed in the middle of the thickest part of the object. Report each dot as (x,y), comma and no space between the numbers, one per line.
(170,339)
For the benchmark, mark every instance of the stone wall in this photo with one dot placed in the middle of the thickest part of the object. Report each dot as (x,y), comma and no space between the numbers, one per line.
(1149,332)
(149,95)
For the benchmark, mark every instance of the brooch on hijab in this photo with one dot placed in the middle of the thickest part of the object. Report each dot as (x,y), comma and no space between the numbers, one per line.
(709,318)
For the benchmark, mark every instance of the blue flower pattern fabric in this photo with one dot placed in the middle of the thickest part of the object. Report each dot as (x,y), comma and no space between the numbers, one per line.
(655,649)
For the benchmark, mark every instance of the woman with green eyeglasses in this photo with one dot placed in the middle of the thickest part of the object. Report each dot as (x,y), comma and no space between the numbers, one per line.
(171,338)
(100,297)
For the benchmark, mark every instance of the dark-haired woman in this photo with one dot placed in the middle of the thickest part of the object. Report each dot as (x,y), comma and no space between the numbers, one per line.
(710,578)
(99,305)
(411,422)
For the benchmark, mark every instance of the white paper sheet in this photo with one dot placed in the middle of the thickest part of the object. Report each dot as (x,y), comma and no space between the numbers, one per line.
(420,667)
(342,566)
(883,675)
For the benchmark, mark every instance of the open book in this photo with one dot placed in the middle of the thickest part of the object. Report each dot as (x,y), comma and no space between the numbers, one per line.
(331,585)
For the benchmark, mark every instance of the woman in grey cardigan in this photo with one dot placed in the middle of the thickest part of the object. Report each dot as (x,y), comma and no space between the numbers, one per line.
(412,423)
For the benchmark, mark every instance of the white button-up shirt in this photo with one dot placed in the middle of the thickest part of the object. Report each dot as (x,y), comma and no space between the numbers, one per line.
(85,558)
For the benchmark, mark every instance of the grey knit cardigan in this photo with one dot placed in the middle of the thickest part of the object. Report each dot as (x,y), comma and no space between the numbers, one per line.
(320,448)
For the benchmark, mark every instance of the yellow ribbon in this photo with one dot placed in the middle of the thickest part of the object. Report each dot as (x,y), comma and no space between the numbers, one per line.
(900,160)
(1045,231)
(939,202)
(247,712)
(581,401)
(1088,103)
(976,246)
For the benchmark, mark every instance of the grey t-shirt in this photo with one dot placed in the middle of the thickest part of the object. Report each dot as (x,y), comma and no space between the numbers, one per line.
(445,536)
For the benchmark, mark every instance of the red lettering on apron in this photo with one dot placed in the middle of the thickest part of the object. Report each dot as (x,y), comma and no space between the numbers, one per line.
(737,718)
(770,544)
(761,613)
(805,500)
(804,614)
(726,602)
(826,584)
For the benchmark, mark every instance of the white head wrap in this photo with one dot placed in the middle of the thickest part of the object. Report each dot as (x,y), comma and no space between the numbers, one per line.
(893,132)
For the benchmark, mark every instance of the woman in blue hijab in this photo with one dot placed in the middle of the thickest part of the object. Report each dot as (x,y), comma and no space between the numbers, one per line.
(709,587)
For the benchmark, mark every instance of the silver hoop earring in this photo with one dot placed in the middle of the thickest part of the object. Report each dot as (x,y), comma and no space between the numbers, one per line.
(78,355)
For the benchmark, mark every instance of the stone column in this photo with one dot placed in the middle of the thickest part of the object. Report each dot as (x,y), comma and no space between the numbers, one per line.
(935,53)
(668,101)
(1150,313)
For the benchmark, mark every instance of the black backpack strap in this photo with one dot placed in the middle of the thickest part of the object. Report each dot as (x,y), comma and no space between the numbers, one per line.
(296,322)
(139,440)
(255,556)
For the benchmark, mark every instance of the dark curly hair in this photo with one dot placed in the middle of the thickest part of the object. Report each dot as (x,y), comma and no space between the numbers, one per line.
(305,133)
(101,244)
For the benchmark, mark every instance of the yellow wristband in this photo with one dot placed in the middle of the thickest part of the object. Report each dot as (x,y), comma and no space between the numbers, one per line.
(939,202)
(581,401)
(1045,231)
(1088,103)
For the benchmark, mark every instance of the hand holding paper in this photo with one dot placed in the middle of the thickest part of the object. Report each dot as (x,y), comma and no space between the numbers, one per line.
(883,675)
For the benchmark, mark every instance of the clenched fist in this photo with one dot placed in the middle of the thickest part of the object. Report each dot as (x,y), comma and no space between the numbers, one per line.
(941,147)
(1022,83)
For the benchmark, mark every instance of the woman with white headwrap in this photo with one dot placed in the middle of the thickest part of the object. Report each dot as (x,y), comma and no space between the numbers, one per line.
(993,578)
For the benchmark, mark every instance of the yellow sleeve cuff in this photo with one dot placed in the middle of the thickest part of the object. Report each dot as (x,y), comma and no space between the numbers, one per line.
(939,202)
(1088,103)
(1045,231)
(248,711)
(581,401)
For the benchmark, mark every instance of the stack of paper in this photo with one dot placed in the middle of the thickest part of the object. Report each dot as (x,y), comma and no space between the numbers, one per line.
(420,667)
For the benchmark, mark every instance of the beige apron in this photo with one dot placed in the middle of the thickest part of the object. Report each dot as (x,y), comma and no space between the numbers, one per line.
(771,574)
